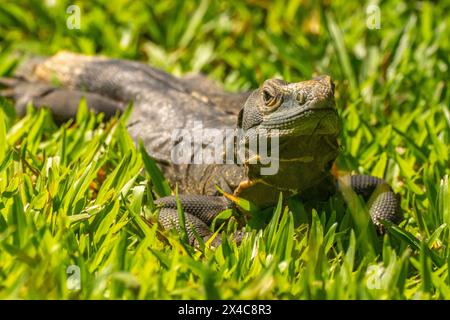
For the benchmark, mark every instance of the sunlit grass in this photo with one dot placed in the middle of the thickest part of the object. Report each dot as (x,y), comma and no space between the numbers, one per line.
(75,194)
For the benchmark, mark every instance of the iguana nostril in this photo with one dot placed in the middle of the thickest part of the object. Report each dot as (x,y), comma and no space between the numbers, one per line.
(301,98)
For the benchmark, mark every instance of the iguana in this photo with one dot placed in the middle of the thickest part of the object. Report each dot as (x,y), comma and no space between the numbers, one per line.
(302,114)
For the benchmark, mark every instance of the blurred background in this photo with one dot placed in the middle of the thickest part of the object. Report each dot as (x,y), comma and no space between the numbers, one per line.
(241,43)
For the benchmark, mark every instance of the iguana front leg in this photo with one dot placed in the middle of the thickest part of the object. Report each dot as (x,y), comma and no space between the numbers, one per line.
(382,203)
(199,211)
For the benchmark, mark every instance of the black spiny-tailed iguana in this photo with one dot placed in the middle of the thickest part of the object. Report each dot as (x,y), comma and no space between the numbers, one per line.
(302,114)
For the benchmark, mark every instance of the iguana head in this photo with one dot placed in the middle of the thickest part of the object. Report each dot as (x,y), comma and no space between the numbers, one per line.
(303,116)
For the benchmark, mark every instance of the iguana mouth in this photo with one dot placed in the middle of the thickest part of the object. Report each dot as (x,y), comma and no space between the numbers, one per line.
(309,120)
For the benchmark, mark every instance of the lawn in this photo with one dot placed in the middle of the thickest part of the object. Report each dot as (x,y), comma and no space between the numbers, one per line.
(72,196)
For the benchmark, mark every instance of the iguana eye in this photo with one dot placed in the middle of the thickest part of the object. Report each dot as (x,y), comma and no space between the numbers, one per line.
(268,97)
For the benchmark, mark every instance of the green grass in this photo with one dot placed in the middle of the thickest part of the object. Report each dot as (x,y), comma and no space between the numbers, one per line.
(74,195)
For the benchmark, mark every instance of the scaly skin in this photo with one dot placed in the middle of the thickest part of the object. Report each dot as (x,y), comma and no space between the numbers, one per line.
(304,114)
